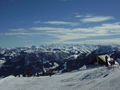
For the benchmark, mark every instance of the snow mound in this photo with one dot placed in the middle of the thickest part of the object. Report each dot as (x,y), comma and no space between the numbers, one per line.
(99,78)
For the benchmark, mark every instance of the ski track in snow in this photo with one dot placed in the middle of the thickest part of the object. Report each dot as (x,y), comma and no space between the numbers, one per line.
(100,78)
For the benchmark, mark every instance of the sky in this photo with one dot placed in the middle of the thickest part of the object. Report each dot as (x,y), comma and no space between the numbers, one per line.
(37,22)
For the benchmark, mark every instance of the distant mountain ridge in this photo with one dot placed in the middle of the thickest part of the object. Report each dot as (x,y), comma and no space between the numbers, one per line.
(46,58)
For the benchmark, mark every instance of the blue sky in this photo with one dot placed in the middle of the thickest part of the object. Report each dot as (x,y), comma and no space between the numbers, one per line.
(36,22)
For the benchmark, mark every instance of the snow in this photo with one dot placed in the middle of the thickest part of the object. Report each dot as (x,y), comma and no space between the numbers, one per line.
(2,62)
(55,66)
(75,56)
(99,78)
(118,60)
(103,57)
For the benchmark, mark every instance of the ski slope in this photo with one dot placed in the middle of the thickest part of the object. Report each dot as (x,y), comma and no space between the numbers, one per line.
(99,78)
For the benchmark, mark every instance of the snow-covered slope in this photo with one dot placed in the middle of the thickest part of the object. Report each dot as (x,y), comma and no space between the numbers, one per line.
(99,78)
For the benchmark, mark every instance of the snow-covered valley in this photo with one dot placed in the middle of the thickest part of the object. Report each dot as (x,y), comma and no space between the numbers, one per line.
(98,78)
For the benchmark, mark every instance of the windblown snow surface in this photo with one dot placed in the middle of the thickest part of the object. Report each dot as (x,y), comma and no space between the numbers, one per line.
(99,78)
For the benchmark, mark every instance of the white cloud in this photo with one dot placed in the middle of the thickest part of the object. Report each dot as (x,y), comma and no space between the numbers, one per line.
(104,29)
(95,42)
(68,34)
(17,29)
(37,22)
(74,36)
(76,33)
(96,19)
(83,16)
(79,16)
(58,23)
(113,28)
(109,26)
(20,34)
(52,29)
(102,41)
